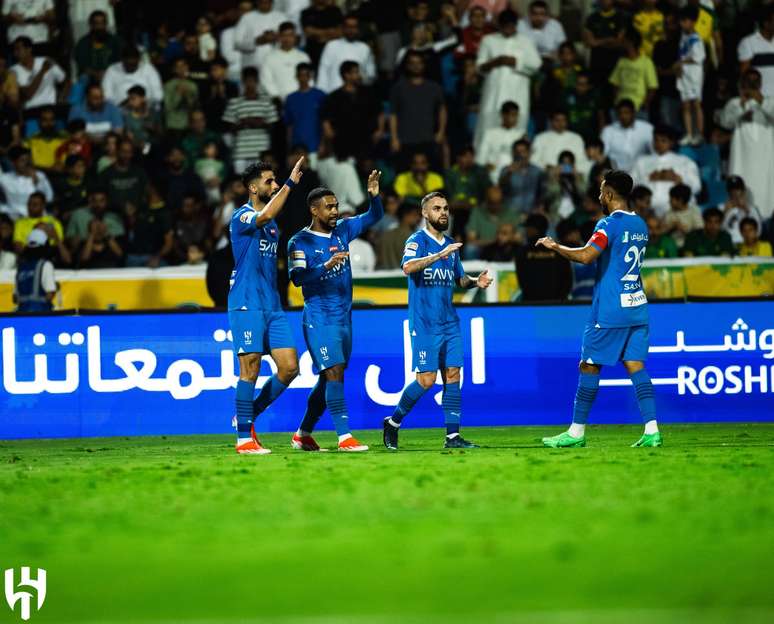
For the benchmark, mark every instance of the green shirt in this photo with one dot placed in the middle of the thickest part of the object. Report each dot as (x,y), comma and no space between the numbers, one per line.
(193,144)
(698,244)
(468,186)
(582,113)
(124,187)
(634,78)
(181,96)
(78,227)
(91,55)
(664,247)
(485,223)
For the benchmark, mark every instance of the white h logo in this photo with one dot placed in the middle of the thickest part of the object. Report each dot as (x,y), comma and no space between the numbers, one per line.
(38,584)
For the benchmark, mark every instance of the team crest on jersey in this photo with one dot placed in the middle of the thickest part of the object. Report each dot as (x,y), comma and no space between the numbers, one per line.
(324,353)
(413,246)
(423,357)
(248,335)
(246,217)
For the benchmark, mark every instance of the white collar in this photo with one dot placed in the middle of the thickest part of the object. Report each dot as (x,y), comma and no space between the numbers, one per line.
(320,234)
(626,212)
(440,242)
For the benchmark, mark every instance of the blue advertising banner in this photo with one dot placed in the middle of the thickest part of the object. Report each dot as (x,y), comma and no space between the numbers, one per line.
(70,376)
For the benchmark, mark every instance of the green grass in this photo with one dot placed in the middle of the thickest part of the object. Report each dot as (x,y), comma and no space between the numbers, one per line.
(169,529)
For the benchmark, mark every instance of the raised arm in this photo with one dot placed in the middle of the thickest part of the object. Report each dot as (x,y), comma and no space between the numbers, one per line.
(275,204)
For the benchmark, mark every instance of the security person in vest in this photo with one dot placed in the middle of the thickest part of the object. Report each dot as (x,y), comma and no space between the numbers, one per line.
(35,285)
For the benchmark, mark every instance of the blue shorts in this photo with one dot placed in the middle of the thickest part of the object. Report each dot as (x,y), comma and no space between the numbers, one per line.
(328,345)
(433,352)
(260,331)
(607,346)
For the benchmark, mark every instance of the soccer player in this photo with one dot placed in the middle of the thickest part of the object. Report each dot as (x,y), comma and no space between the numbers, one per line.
(431,261)
(258,324)
(618,327)
(318,262)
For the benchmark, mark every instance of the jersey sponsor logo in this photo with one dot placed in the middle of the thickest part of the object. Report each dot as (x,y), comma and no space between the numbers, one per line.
(318,251)
(438,275)
(625,237)
(267,247)
(413,246)
(634,237)
(273,231)
(633,300)
(409,253)
(333,249)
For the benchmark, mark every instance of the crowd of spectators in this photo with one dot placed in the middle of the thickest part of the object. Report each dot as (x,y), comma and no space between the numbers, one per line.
(125,125)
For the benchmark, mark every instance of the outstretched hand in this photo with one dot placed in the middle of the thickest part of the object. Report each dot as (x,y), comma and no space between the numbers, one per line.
(547,242)
(297,172)
(336,259)
(484,280)
(373,183)
(449,250)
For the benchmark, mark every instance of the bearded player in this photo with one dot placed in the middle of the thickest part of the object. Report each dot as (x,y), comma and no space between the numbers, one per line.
(319,264)
(618,327)
(258,324)
(431,260)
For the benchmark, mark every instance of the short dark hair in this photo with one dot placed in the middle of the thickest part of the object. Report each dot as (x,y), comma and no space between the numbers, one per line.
(219,60)
(76,125)
(346,67)
(558,111)
(16,152)
(507,17)
(735,183)
(509,107)
(620,181)
(567,45)
(255,170)
(640,192)
(304,66)
(72,159)
(537,221)
(524,142)
(130,52)
(37,194)
(766,13)
(93,85)
(430,196)
(634,37)
(287,26)
(666,131)
(538,4)
(136,90)
(681,192)
(566,154)
(316,194)
(748,221)
(711,212)
(249,72)
(595,141)
(47,108)
(23,40)
(626,103)
(97,13)
(689,11)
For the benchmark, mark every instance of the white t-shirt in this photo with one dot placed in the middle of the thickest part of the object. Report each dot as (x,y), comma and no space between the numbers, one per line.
(760,52)
(278,72)
(28,8)
(251,26)
(547,39)
(46,93)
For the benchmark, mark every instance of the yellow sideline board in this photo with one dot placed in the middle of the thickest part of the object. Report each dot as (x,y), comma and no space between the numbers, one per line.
(136,289)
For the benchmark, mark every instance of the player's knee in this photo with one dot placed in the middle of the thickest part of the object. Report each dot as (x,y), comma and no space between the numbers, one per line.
(452,375)
(426,380)
(287,372)
(335,373)
(632,366)
(589,369)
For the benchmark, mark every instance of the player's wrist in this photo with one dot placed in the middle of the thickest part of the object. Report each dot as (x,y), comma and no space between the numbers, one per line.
(290,184)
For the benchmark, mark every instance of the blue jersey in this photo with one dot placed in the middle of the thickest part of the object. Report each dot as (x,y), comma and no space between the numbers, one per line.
(619,300)
(328,292)
(253,284)
(430,290)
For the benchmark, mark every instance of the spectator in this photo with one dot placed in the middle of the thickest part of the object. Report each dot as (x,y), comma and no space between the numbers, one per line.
(640,201)
(600,163)
(44,144)
(10,129)
(76,144)
(219,268)
(755,50)
(206,44)
(564,188)
(35,286)
(548,145)
(233,195)
(108,152)
(481,229)
(466,184)
(751,116)
(419,115)
(216,94)
(431,51)
(543,30)
(142,123)
(507,59)
(634,75)
(192,242)
(198,136)
(250,116)
(649,23)
(178,181)
(29,18)
(414,184)
(590,211)
(97,50)
(256,32)
(711,240)
(227,44)
(38,219)
(585,113)
(278,72)
(683,216)
(302,112)
(522,182)
(664,55)
(390,219)
(70,189)
(393,242)
(99,115)
(348,47)
(351,116)
(362,256)
(690,76)
(604,34)
(503,248)
(125,182)
(543,274)
(473,33)
(738,207)
(198,70)
(37,77)
(79,225)
(497,143)
(568,68)
(295,214)
(7,255)
(342,175)
(120,77)
(660,245)
(21,182)
(321,23)
(628,138)
(211,170)
(663,169)
(181,97)
(751,245)
(100,250)
(149,234)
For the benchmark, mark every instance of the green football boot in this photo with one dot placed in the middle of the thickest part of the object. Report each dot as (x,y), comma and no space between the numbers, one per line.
(649,439)
(564,440)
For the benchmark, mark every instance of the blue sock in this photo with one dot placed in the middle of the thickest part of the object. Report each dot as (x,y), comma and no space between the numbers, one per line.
(337,406)
(643,388)
(452,407)
(315,406)
(408,399)
(588,385)
(244,407)
(269,393)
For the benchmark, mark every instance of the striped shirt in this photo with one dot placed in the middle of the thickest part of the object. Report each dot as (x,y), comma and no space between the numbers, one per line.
(250,141)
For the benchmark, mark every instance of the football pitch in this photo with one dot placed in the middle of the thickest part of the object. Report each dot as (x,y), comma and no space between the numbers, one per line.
(172,529)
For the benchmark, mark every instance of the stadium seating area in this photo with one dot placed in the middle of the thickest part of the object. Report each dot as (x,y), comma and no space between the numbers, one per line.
(125,125)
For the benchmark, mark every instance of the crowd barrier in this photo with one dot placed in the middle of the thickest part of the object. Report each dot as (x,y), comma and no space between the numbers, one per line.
(174,373)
